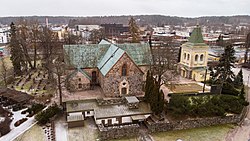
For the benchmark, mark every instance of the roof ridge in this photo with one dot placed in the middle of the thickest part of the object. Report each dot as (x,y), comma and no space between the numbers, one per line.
(109,58)
(196,35)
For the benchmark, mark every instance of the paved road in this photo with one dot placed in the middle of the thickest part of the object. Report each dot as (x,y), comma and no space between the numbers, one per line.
(242,132)
(14,133)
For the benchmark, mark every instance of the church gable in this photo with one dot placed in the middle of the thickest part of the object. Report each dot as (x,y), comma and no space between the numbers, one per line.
(125,66)
(78,80)
(124,78)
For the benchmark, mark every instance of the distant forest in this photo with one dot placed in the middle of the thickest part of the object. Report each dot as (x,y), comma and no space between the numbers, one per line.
(157,20)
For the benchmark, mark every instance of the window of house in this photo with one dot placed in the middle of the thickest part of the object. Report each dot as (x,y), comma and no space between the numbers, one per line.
(196,57)
(80,79)
(80,86)
(103,122)
(184,56)
(88,112)
(124,70)
(202,57)
(188,57)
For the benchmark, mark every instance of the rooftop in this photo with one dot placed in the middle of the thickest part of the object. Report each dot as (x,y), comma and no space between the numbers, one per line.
(91,55)
(107,110)
(132,99)
(196,36)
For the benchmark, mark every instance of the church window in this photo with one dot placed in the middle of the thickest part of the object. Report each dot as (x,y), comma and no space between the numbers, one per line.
(202,57)
(124,70)
(188,57)
(196,57)
(80,86)
(124,91)
(79,79)
(184,56)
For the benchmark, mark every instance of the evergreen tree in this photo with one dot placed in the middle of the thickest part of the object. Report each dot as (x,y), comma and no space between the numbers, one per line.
(148,85)
(154,99)
(242,93)
(220,41)
(226,63)
(238,81)
(15,51)
(160,105)
(134,31)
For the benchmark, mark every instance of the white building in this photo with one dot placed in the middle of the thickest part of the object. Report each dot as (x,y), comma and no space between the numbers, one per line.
(4,35)
(108,115)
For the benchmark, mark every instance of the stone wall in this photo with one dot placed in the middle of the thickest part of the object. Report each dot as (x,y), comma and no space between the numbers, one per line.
(191,123)
(114,78)
(78,79)
(116,132)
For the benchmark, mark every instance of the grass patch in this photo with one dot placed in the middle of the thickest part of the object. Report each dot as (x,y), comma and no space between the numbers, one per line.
(185,88)
(34,133)
(87,133)
(213,133)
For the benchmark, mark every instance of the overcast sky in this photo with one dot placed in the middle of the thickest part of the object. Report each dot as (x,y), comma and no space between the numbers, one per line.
(184,8)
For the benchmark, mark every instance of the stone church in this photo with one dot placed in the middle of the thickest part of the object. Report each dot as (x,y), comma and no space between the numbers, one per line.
(194,57)
(119,69)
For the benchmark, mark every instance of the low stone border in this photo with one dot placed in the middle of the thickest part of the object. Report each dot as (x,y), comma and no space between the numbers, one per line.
(116,132)
(191,123)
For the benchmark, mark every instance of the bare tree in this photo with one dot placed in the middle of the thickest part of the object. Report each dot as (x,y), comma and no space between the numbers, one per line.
(165,58)
(24,39)
(51,47)
(59,69)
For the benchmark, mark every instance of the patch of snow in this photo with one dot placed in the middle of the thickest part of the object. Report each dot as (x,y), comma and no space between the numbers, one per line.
(17,116)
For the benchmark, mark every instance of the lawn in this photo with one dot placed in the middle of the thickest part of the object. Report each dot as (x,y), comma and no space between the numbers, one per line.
(35,133)
(185,88)
(213,133)
(87,133)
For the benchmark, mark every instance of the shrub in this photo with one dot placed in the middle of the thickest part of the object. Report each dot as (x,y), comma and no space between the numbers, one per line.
(19,122)
(35,108)
(229,89)
(206,106)
(44,116)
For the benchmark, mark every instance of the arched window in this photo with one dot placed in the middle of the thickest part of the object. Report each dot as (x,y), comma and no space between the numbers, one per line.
(124,70)
(188,56)
(94,77)
(124,91)
(201,57)
(196,57)
(185,56)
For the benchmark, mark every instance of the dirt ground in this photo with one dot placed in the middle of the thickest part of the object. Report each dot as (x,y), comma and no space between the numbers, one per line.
(87,133)
(35,133)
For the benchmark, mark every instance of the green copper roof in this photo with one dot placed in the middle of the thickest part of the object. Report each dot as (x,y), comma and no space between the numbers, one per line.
(104,42)
(196,36)
(140,53)
(76,71)
(89,56)
(84,56)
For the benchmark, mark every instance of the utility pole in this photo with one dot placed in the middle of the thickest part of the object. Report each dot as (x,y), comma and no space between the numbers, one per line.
(205,81)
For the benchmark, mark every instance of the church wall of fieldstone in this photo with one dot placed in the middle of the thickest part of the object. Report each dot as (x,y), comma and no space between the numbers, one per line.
(79,79)
(111,82)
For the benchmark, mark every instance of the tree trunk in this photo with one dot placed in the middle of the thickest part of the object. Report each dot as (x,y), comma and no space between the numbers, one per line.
(60,89)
